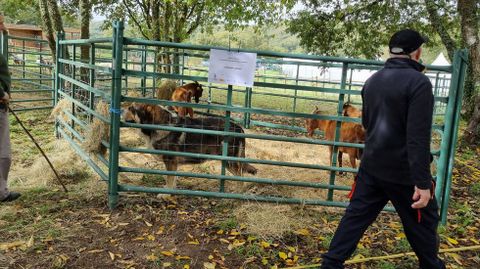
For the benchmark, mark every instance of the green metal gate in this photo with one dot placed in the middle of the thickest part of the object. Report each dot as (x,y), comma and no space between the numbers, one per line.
(29,61)
(273,112)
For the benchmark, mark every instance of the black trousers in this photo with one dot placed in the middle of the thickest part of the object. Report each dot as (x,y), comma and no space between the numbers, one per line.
(369,198)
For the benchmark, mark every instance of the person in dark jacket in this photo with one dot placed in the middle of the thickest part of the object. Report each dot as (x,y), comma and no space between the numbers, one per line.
(397,116)
(5,151)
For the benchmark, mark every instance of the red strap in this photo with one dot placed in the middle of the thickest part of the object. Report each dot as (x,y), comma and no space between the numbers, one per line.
(432,190)
(350,194)
(419,215)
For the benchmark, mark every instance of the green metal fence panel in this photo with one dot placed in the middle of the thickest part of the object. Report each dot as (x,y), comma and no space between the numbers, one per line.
(31,70)
(287,87)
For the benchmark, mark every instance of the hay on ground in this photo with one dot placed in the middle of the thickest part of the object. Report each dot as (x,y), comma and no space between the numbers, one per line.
(165,90)
(66,162)
(98,131)
(269,220)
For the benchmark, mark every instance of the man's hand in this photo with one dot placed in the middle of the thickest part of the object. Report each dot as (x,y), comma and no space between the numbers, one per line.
(6,98)
(421,198)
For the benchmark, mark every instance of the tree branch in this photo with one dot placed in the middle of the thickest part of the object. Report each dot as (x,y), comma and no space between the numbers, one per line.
(129,11)
(439,27)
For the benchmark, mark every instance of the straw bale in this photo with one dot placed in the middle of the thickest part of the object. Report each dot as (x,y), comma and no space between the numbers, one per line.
(98,131)
(165,90)
(58,110)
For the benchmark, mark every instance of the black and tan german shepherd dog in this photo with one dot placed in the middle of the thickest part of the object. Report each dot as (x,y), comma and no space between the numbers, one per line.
(188,142)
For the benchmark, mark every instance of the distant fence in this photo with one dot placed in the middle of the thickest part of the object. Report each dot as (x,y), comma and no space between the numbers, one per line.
(32,72)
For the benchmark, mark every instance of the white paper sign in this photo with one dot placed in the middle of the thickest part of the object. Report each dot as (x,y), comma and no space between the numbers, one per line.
(233,68)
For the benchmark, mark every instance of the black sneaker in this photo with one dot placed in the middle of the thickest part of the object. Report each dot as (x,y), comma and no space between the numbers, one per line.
(12,196)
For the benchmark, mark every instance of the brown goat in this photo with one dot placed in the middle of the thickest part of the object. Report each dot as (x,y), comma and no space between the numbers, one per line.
(350,132)
(184,94)
(351,111)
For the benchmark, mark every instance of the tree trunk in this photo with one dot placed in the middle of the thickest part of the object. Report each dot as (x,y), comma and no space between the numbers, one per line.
(471,40)
(472,133)
(85,17)
(55,15)
(439,27)
(47,26)
(57,22)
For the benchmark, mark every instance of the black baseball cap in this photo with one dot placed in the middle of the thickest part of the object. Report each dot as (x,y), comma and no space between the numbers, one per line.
(406,41)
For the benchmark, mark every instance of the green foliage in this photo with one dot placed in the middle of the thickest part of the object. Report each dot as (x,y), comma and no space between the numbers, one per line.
(228,224)
(385,265)
(269,37)
(362,28)
(20,12)
(177,20)
(28,12)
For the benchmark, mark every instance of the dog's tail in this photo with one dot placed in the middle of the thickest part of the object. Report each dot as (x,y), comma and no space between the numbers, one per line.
(245,167)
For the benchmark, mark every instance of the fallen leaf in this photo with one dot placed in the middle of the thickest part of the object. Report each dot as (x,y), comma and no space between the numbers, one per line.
(152,257)
(194,242)
(456,257)
(303,232)
(186,266)
(264,244)
(264,261)
(148,223)
(6,246)
(453,241)
(167,253)
(179,258)
(30,242)
(224,241)
(167,264)
(357,257)
(160,230)
(209,265)
(282,255)
(151,237)
(95,251)
(112,256)
(236,244)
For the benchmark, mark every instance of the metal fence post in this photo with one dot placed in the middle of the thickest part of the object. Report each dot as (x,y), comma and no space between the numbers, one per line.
(447,133)
(225,139)
(296,92)
(58,70)
(462,55)
(143,82)
(117,61)
(91,99)
(341,98)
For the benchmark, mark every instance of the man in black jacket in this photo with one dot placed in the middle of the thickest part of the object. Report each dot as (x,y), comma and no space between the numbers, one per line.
(5,152)
(397,116)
